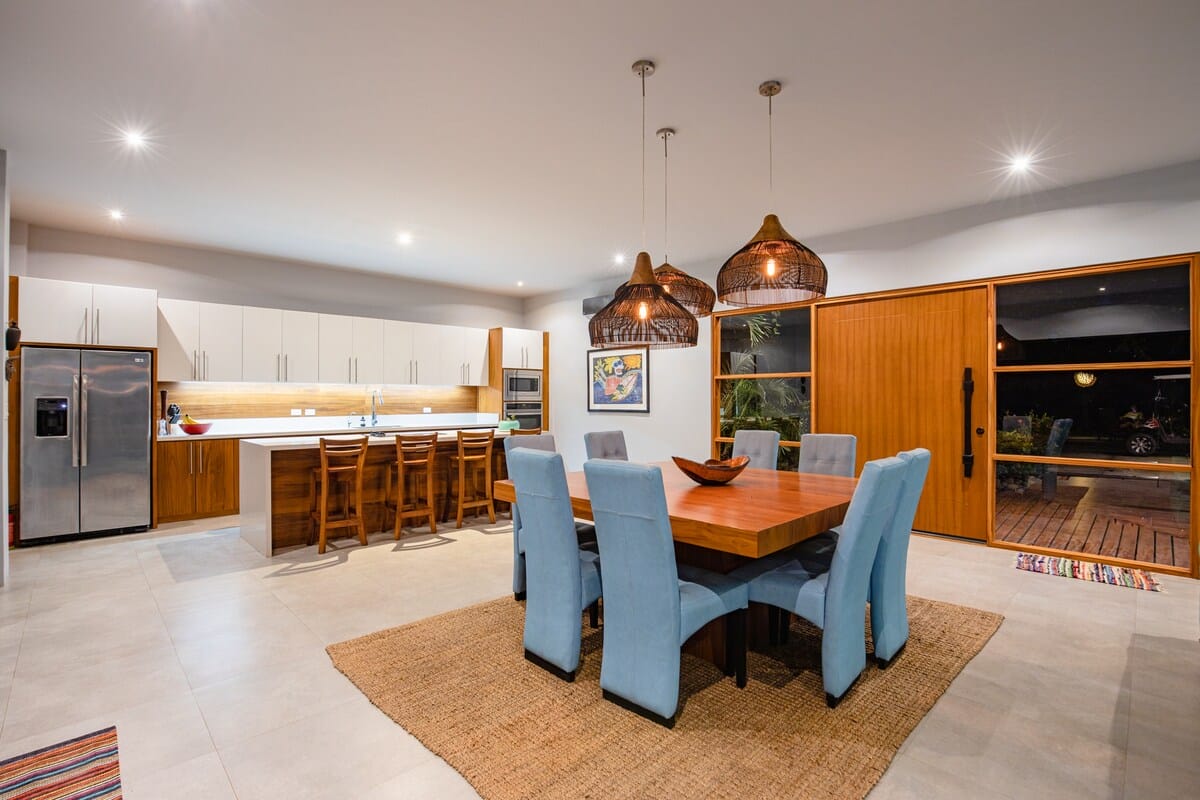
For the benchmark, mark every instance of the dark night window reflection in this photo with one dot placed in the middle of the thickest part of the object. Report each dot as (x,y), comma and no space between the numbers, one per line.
(767,342)
(1122,414)
(1135,315)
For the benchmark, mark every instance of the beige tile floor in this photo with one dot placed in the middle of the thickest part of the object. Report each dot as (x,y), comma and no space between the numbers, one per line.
(210,660)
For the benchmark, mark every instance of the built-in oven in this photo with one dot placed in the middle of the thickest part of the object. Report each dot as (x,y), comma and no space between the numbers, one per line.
(527,414)
(522,385)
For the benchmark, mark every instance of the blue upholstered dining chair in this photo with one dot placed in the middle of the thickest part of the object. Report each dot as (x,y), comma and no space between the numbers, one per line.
(585,532)
(563,580)
(606,444)
(651,605)
(762,447)
(889,606)
(545,443)
(828,453)
(835,599)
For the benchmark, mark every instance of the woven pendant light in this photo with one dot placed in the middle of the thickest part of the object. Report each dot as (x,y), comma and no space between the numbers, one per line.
(642,314)
(773,267)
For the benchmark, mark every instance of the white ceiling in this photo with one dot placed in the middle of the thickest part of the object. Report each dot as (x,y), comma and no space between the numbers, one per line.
(504,135)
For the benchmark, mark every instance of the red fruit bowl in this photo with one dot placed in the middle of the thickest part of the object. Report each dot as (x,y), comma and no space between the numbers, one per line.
(712,472)
(195,428)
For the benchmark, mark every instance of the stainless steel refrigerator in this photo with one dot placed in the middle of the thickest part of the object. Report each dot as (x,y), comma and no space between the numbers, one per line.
(85,441)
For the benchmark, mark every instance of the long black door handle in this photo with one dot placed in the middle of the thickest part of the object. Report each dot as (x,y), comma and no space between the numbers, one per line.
(968,388)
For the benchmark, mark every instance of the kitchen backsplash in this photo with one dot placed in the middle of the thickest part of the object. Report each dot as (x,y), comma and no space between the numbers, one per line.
(206,401)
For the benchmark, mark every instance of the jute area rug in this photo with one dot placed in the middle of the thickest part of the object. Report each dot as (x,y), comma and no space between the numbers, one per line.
(460,684)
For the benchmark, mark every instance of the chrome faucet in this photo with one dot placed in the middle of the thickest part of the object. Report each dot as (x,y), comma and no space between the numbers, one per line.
(376,398)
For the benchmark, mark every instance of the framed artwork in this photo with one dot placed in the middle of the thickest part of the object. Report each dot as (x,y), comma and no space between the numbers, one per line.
(620,380)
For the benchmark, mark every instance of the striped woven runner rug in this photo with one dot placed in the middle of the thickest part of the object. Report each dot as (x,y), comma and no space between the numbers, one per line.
(85,768)
(1088,571)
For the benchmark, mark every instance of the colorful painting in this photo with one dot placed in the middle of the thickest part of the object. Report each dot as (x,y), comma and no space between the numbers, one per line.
(620,380)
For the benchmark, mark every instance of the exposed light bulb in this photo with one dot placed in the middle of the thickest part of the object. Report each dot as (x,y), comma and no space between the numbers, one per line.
(1020,163)
(770,268)
(619,258)
(643,310)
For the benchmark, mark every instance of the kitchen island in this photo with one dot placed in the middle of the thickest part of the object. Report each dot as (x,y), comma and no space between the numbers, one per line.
(274,479)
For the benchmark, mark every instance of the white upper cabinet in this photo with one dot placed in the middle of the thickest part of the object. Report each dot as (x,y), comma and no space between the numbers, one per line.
(335,354)
(262,345)
(398,352)
(301,336)
(521,349)
(428,366)
(124,317)
(178,340)
(68,312)
(199,341)
(475,356)
(368,350)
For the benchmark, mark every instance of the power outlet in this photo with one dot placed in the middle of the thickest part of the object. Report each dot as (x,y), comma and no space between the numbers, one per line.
(427,410)
(310,412)
(295,412)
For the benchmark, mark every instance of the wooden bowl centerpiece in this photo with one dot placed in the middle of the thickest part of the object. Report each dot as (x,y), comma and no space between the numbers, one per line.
(712,472)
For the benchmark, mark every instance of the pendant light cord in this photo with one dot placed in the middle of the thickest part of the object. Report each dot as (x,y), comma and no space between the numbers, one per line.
(643,159)
(666,184)
(771,150)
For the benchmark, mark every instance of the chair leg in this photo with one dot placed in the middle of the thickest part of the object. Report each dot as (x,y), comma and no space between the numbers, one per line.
(629,705)
(594,614)
(785,625)
(462,491)
(487,492)
(884,663)
(429,501)
(735,646)
(772,625)
(324,517)
(359,510)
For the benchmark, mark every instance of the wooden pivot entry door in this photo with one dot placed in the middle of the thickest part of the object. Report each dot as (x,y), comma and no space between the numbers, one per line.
(197,479)
(890,371)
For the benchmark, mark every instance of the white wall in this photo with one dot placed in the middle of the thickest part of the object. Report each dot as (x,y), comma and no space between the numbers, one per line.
(1134,216)
(193,273)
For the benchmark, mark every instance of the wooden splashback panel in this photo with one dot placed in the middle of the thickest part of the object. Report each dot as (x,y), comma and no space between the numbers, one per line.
(238,401)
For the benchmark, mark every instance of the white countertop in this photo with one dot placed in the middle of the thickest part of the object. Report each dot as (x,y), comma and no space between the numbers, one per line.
(313,442)
(327,426)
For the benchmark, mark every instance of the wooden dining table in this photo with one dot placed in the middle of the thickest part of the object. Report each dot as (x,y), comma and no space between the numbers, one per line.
(721,527)
(762,511)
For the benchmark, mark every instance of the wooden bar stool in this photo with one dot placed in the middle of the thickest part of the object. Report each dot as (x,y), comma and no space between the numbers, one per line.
(526,432)
(474,451)
(414,453)
(343,462)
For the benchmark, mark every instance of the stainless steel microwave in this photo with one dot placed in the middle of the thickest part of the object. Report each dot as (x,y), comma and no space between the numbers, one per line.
(522,385)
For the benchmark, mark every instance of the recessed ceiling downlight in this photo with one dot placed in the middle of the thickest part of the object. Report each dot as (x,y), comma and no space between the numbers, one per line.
(404,238)
(116,214)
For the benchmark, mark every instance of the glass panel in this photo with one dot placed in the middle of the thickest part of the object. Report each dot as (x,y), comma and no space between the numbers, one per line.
(774,404)
(1136,315)
(771,341)
(1113,512)
(789,457)
(1123,414)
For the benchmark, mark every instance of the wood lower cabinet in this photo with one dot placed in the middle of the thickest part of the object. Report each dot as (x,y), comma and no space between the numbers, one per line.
(197,479)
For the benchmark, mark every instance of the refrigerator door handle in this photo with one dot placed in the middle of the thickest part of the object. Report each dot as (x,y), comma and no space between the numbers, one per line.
(83,420)
(71,433)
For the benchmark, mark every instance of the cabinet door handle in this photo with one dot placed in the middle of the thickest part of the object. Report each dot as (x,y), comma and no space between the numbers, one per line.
(96,322)
(349,369)
(278,367)
(189,458)
(356,369)
(195,364)
(205,365)
(200,456)
(285,367)
(86,330)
